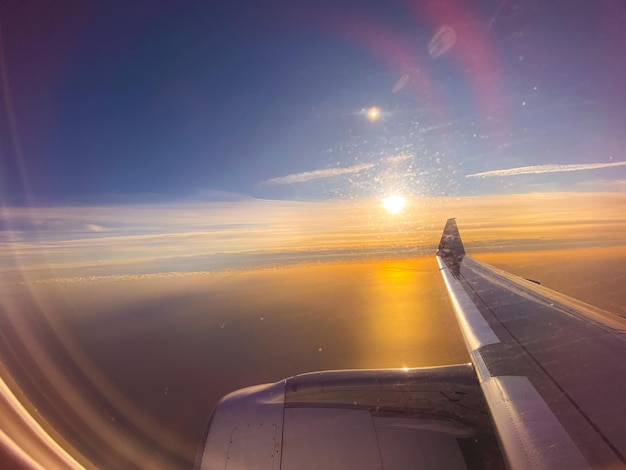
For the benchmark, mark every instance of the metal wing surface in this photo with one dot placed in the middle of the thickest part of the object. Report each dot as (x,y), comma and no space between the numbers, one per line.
(547,389)
(552,369)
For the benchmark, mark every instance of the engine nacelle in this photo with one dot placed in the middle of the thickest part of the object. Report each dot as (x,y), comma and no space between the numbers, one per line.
(357,419)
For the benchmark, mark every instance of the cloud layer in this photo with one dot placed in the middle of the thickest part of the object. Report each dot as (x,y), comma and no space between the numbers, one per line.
(182,237)
(538,169)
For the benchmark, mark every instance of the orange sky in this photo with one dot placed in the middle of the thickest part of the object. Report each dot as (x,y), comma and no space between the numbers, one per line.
(81,241)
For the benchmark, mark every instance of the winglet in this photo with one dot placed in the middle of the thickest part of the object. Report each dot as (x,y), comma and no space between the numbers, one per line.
(451,249)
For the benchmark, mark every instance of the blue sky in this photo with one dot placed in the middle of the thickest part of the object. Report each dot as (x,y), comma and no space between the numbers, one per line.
(177,99)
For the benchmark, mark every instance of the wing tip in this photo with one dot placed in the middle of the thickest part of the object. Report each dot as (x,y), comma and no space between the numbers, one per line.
(451,249)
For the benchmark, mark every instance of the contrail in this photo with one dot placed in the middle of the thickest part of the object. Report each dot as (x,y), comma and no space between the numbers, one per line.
(537,169)
(312,175)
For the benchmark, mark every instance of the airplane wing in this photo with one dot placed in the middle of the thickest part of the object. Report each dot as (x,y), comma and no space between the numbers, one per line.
(545,389)
(552,369)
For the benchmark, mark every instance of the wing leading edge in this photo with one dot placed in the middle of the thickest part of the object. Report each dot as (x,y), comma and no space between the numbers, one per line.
(550,367)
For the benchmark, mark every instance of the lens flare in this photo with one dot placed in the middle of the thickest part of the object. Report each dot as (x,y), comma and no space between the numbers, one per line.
(373,114)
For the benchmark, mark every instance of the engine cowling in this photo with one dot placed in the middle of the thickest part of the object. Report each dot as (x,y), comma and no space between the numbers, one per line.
(355,419)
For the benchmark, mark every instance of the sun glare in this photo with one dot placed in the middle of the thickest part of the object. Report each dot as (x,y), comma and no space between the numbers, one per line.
(393,204)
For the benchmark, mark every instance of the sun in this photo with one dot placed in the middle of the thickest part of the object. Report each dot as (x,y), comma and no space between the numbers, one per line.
(394,204)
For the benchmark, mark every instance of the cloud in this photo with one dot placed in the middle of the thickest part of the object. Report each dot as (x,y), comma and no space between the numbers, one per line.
(186,236)
(602,185)
(397,158)
(317,174)
(95,228)
(332,172)
(538,169)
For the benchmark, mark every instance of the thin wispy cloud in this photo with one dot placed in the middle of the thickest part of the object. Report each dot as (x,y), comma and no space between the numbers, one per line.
(95,228)
(538,169)
(317,174)
(397,158)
